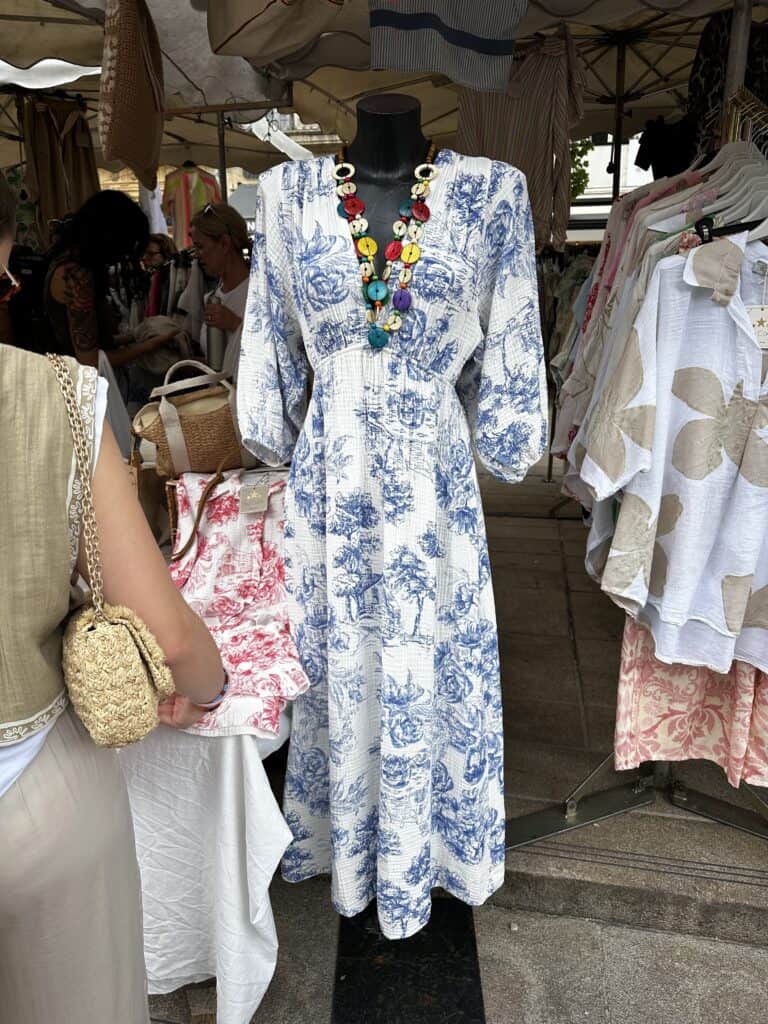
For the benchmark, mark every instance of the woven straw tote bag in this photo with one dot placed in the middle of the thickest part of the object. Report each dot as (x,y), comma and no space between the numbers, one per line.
(114,669)
(194,424)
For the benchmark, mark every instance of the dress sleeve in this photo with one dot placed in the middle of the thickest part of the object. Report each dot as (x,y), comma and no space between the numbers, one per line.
(615,441)
(274,371)
(504,386)
(169,194)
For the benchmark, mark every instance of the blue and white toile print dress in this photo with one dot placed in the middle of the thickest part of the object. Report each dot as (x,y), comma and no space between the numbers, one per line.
(395,773)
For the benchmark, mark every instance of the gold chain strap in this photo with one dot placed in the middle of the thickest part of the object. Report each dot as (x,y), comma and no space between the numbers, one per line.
(83,456)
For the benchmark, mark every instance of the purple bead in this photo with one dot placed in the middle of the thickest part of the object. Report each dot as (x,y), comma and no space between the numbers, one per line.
(402,299)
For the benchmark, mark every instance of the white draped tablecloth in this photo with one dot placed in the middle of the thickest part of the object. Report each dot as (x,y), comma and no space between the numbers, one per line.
(209,837)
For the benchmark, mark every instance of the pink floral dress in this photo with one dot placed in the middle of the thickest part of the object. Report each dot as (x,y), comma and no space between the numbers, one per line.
(234,578)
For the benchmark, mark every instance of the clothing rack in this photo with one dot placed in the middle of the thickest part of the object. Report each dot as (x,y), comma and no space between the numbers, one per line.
(747,119)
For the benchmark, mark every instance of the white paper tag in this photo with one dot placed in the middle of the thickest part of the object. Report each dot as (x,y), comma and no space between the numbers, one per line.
(254,497)
(759,317)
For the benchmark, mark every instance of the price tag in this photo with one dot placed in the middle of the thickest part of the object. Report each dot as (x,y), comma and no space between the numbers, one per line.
(759,317)
(254,497)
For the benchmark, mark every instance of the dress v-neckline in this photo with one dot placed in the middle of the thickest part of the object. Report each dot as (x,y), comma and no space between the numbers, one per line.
(443,160)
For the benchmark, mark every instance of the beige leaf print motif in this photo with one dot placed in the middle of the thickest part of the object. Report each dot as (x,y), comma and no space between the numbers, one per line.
(613,419)
(756,615)
(735,596)
(717,265)
(733,428)
(636,538)
(754,464)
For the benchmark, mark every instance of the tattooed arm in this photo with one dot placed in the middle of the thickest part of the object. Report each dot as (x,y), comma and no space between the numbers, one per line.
(72,286)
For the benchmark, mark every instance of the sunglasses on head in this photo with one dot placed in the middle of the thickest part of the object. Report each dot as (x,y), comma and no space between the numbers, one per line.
(9,286)
(210,210)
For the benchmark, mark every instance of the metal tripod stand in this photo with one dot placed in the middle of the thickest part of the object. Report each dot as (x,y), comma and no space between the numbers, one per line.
(582,807)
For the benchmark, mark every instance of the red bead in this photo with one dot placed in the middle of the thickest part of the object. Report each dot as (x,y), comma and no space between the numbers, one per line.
(420,211)
(393,250)
(353,206)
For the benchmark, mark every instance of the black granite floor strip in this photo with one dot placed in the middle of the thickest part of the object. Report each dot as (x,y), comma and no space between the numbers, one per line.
(431,978)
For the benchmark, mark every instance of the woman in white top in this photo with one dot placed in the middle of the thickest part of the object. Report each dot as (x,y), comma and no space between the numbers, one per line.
(220,237)
(71,947)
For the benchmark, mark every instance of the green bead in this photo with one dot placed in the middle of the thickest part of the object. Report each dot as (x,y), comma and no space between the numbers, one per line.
(377,337)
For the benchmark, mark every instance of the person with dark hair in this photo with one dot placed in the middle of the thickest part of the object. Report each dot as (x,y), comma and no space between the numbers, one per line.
(159,251)
(108,229)
(71,943)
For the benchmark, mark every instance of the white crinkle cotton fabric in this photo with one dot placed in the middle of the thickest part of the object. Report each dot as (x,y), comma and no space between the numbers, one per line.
(395,775)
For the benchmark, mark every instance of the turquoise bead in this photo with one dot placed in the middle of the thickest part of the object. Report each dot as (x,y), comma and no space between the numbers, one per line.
(342,212)
(378,292)
(377,337)
(406,208)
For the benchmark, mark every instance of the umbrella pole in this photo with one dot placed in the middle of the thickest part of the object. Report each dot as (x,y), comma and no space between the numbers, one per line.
(738,51)
(618,127)
(222,157)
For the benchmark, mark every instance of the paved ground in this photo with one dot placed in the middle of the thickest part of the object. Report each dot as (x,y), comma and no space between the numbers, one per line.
(535,969)
(559,641)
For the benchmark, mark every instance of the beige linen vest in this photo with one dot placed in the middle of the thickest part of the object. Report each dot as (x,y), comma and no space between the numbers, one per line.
(39,535)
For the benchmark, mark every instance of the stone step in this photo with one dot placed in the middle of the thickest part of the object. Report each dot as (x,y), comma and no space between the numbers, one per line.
(658,867)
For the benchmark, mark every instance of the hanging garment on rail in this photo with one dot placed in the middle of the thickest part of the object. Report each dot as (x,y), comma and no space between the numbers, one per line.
(678,431)
(530,127)
(706,83)
(61,166)
(664,420)
(682,713)
(472,44)
(186,191)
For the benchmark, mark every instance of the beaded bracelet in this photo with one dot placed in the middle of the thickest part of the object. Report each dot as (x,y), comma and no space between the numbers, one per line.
(213,704)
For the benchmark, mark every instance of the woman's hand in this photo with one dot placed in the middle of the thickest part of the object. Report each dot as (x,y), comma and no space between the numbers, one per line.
(179,712)
(161,340)
(218,315)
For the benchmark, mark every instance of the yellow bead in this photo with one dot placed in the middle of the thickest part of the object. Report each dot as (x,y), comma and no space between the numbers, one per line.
(367,246)
(411,253)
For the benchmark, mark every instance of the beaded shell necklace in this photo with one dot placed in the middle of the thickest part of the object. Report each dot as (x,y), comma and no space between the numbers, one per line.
(404,248)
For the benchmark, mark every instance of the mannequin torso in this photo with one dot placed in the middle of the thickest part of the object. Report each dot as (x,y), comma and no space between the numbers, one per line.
(388,146)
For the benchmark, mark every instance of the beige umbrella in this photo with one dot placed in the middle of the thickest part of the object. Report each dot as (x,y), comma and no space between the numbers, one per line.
(199,84)
(648,45)
(185,137)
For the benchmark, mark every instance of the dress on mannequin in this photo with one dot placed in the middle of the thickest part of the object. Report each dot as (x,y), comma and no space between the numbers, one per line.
(395,774)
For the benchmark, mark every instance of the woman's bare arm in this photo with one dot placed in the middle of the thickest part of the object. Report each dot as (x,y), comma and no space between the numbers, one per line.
(136,576)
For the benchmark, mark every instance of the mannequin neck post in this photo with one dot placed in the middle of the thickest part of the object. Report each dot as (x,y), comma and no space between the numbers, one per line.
(389,142)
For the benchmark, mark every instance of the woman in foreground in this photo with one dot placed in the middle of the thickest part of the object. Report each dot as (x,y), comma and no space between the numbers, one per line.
(71,946)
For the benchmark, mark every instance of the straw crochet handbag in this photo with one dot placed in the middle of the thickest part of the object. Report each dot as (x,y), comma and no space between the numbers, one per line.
(194,425)
(114,669)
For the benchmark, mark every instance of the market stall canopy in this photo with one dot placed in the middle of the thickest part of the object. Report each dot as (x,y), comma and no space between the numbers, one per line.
(37,32)
(185,137)
(73,31)
(323,47)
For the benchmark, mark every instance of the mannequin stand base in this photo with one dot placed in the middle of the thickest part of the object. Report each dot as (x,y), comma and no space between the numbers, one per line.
(580,809)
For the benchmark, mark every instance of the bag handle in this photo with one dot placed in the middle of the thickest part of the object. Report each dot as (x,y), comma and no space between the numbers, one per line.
(193,382)
(210,487)
(205,370)
(83,458)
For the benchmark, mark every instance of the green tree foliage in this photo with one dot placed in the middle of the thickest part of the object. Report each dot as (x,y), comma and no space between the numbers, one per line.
(580,150)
